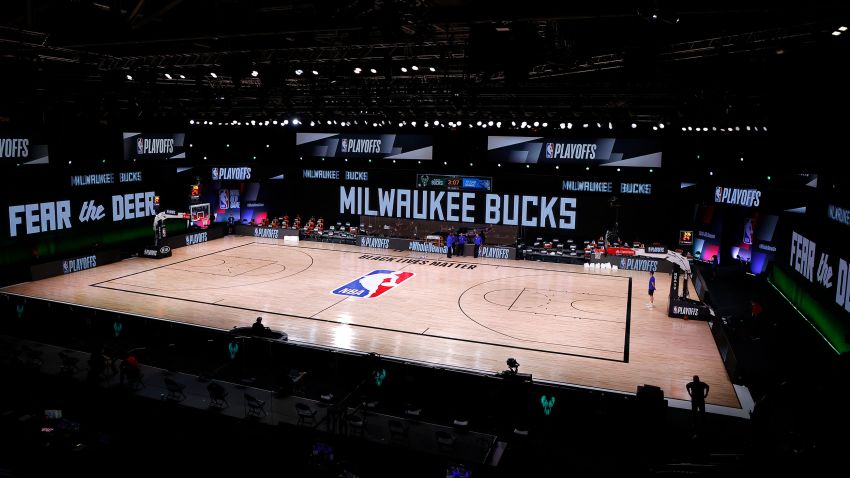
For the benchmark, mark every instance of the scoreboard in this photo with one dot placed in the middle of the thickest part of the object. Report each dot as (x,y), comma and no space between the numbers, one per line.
(453,182)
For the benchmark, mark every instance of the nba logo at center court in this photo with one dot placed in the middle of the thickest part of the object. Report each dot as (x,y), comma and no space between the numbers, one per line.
(373,284)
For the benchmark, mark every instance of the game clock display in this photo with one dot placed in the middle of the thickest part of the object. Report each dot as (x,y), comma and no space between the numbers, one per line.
(454,183)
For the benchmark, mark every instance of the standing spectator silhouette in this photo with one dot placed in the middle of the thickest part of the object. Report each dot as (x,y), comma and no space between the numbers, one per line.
(698,391)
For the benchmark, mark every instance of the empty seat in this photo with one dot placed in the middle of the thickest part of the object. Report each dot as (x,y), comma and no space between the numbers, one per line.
(306,415)
(445,440)
(356,424)
(218,396)
(175,390)
(398,431)
(254,407)
(69,363)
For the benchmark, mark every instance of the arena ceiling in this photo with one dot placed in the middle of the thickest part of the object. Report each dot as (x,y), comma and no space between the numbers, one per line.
(645,61)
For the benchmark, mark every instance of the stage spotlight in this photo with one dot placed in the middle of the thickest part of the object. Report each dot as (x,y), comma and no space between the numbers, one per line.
(374,71)
(191,121)
(130,77)
(536,124)
(684,129)
(523,124)
(329,122)
(545,125)
(585,125)
(458,123)
(513,365)
(432,69)
(655,128)
(836,33)
(498,124)
(299,72)
(634,125)
(285,122)
(357,71)
(212,74)
(513,123)
(404,69)
(563,125)
(598,125)
(711,173)
(742,159)
(490,123)
(618,170)
(569,126)
(182,77)
(168,76)
(610,125)
(661,125)
(436,123)
(478,123)
(690,128)
(315,72)
(414,68)
(255,73)
(842,29)
(312,123)
(413,123)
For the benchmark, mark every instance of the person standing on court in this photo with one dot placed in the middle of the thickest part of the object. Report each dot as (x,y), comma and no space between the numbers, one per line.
(698,392)
(651,289)
(450,243)
(461,243)
(477,244)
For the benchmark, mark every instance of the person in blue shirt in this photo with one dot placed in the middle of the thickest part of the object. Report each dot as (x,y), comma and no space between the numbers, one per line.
(477,243)
(461,243)
(450,243)
(651,289)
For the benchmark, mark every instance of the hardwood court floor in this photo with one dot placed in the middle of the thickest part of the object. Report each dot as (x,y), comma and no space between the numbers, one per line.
(559,321)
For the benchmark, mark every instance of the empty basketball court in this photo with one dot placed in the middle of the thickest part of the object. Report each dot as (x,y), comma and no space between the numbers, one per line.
(561,322)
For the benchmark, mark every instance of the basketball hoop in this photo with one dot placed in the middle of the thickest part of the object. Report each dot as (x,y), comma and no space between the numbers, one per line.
(199,215)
